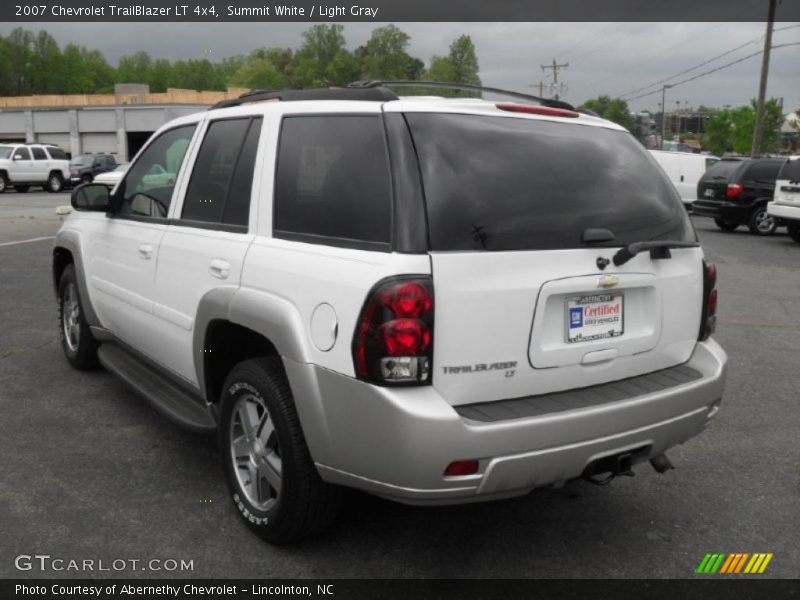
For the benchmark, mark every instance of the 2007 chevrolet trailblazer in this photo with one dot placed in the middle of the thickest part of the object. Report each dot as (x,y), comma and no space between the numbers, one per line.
(433,300)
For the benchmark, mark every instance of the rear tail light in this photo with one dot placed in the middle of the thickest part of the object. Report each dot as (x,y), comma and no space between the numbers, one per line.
(393,342)
(460,468)
(708,322)
(734,190)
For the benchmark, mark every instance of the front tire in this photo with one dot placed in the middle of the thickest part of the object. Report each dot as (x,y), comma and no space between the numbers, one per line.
(726,225)
(272,478)
(761,223)
(794,230)
(77,340)
(3,182)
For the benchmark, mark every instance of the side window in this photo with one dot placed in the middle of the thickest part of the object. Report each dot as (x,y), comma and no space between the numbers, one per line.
(333,179)
(38,153)
(147,188)
(57,153)
(22,154)
(222,179)
(766,171)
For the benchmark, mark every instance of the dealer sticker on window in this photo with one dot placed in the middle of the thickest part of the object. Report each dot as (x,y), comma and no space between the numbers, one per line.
(594,317)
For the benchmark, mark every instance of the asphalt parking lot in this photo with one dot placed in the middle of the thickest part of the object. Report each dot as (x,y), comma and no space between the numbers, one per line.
(90,471)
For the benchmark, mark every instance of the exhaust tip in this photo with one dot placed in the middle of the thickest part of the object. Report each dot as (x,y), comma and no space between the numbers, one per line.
(661,463)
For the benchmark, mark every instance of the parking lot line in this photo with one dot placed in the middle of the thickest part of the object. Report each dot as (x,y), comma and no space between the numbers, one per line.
(39,239)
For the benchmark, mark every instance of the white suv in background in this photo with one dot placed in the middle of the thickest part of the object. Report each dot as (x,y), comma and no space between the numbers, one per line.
(432,300)
(786,205)
(24,165)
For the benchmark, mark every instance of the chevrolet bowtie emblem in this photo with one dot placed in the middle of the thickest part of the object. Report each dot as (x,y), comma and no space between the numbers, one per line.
(607,281)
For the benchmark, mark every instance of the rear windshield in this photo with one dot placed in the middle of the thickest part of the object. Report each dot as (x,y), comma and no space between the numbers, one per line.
(5,151)
(499,183)
(723,170)
(791,170)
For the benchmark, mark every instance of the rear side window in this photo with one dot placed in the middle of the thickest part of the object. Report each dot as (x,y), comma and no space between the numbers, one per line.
(500,183)
(38,153)
(791,170)
(333,183)
(57,154)
(763,171)
(220,187)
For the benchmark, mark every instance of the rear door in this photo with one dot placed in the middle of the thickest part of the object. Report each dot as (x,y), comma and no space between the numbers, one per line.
(522,306)
(759,178)
(205,247)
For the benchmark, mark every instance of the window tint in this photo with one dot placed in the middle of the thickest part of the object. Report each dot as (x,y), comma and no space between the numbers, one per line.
(38,153)
(22,153)
(57,153)
(791,170)
(721,170)
(147,188)
(765,171)
(501,183)
(219,190)
(333,178)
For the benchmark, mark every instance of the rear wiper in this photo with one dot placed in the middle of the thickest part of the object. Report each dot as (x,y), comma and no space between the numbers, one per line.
(657,248)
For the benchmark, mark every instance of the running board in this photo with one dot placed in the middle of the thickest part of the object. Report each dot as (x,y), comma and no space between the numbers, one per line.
(168,398)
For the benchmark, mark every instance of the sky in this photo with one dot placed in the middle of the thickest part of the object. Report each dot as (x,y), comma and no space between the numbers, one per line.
(604,58)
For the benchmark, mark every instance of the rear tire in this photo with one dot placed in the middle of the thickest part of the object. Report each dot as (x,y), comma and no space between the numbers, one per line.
(761,223)
(794,230)
(77,340)
(726,225)
(87,179)
(54,183)
(273,481)
(3,182)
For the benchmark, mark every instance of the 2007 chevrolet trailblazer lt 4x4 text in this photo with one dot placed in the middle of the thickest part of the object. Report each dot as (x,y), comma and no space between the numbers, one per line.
(432,300)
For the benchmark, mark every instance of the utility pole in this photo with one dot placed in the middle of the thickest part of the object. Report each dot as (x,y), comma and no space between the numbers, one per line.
(555,67)
(762,86)
(664,89)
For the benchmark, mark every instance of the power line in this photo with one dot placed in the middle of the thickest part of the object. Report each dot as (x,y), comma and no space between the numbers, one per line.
(725,66)
(704,63)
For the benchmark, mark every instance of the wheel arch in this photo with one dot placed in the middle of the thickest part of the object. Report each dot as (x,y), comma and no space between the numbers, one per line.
(66,251)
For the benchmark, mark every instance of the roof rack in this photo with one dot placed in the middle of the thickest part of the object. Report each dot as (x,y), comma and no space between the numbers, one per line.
(378,84)
(374,94)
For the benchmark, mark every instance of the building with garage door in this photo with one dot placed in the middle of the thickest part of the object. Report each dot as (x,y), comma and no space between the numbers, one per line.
(118,123)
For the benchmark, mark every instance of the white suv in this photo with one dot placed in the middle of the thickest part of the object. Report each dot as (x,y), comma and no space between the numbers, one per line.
(24,165)
(786,205)
(432,300)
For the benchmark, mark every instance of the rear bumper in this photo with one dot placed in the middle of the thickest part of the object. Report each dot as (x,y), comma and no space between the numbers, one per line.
(727,211)
(396,442)
(784,211)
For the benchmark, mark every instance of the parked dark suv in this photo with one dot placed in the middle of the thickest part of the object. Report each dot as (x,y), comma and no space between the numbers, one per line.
(735,192)
(84,168)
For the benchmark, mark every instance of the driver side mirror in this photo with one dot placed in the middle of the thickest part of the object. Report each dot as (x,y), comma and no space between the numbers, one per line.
(94,197)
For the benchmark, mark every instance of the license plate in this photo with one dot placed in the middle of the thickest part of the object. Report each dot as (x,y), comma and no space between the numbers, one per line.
(594,317)
(709,193)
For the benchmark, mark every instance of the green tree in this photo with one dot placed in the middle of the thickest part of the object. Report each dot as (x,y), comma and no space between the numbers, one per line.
(613,109)
(134,68)
(102,74)
(161,75)
(323,59)
(718,132)
(258,74)
(20,50)
(732,129)
(384,55)
(45,74)
(464,60)
(77,78)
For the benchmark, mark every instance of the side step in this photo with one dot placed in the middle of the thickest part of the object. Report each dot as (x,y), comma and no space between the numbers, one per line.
(168,398)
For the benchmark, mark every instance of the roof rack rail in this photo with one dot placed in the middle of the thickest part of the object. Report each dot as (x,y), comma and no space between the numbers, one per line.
(378,84)
(374,94)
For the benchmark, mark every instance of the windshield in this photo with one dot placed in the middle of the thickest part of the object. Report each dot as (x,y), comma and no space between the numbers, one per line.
(500,183)
(81,161)
(791,170)
(5,151)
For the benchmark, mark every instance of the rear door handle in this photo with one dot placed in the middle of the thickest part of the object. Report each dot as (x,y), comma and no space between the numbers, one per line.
(145,252)
(219,268)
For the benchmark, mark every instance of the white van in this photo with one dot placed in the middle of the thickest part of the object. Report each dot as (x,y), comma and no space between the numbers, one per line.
(684,170)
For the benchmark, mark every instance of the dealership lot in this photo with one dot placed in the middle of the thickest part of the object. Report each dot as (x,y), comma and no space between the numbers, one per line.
(91,472)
